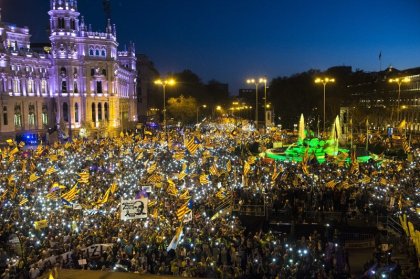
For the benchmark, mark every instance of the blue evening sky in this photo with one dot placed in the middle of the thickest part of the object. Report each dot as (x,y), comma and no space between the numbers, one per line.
(232,40)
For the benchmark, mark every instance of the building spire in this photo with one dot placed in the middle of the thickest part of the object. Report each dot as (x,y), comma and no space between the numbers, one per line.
(109,26)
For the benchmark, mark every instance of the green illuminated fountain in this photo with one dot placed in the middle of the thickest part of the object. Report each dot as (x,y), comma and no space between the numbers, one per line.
(316,147)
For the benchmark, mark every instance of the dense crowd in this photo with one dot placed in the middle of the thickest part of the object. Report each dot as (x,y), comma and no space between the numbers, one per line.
(206,168)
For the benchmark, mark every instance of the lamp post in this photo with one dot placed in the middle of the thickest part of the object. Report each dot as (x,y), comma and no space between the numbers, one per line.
(264,81)
(198,108)
(324,81)
(163,83)
(257,83)
(399,81)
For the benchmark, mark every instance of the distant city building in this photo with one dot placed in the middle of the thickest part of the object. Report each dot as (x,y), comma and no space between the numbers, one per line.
(147,74)
(378,98)
(78,80)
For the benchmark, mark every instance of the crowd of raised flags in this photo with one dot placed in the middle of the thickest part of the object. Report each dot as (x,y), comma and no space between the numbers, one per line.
(72,188)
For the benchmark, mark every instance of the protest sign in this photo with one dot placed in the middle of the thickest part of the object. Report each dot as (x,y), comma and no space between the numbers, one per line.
(134,209)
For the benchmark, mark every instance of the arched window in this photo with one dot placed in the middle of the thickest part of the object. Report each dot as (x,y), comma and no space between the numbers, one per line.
(18,117)
(91,52)
(16,85)
(43,86)
(75,89)
(61,23)
(44,114)
(65,112)
(99,111)
(31,116)
(93,113)
(30,86)
(76,112)
(64,86)
(106,111)
(99,86)
(73,24)
(5,119)
(97,52)
(103,52)
(63,71)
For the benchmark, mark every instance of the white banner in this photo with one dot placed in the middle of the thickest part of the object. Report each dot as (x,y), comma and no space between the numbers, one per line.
(188,217)
(134,209)
(93,251)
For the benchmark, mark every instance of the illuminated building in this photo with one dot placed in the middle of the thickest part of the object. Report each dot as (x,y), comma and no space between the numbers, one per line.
(81,80)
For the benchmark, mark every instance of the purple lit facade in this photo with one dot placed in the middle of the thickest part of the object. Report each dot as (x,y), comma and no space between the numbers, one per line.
(80,81)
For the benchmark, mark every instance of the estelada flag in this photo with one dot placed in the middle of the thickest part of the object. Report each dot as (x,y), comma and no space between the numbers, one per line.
(40,224)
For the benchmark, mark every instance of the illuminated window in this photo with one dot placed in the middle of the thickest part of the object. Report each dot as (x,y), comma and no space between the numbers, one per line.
(16,86)
(44,115)
(18,117)
(31,119)
(43,86)
(30,86)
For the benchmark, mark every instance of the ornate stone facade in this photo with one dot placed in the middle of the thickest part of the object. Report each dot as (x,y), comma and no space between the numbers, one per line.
(82,80)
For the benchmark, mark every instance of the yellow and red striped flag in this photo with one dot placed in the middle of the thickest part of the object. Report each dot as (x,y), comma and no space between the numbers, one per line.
(247,168)
(229,166)
(213,170)
(33,177)
(152,168)
(10,142)
(84,177)
(192,144)
(23,201)
(331,184)
(71,194)
(179,155)
(50,170)
(185,195)
(171,190)
(204,179)
(180,213)
(114,188)
(13,151)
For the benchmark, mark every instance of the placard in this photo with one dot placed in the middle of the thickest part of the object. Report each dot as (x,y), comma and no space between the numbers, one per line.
(134,209)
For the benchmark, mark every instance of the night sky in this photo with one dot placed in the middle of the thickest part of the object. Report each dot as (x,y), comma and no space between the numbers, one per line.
(231,40)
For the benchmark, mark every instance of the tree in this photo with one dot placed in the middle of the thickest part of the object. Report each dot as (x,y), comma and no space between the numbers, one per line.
(294,95)
(182,108)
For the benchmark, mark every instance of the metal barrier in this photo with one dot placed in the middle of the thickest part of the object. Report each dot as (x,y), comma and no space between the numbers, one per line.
(359,244)
(251,210)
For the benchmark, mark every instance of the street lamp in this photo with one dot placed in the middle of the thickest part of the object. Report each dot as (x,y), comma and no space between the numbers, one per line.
(264,81)
(198,108)
(163,83)
(324,81)
(256,83)
(399,81)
